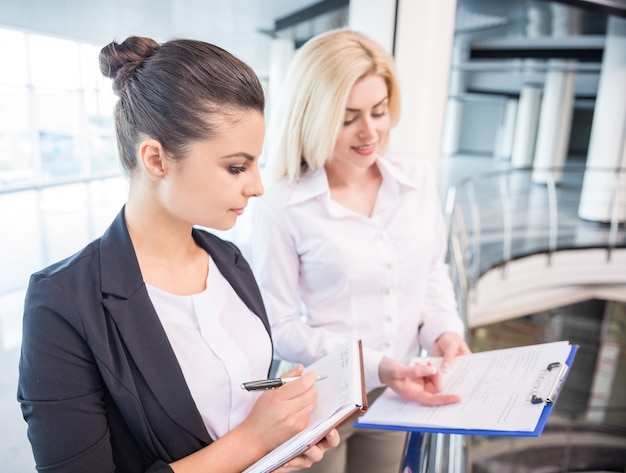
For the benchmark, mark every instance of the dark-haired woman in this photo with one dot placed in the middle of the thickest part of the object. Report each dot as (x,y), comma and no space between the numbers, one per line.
(134,348)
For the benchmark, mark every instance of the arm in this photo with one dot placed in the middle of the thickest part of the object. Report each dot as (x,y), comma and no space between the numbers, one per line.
(59,387)
(62,399)
(278,415)
(276,265)
(440,314)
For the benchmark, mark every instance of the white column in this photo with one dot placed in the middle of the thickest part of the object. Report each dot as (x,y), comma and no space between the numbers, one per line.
(454,107)
(504,136)
(281,53)
(555,120)
(525,135)
(527,122)
(375,18)
(424,36)
(607,145)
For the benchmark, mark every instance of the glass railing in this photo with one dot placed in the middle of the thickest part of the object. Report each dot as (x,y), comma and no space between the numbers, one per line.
(495,218)
(498,217)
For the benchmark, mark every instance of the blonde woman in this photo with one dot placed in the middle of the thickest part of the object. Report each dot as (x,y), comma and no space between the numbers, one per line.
(349,241)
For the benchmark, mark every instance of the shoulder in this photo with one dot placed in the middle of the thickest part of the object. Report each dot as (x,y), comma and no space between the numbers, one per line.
(281,192)
(66,292)
(418,169)
(79,267)
(276,198)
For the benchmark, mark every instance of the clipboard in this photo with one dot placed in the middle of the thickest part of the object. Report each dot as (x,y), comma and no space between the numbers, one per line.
(545,391)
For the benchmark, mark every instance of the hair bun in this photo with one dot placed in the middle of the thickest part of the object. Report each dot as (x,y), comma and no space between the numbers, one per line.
(118,61)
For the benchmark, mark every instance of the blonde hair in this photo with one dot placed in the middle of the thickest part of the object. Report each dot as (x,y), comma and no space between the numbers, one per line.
(306,121)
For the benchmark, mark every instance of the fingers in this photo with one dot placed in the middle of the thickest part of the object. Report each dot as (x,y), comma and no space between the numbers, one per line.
(316,452)
(330,441)
(299,386)
(449,345)
(447,360)
(428,375)
(300,395)
(295,371)
(429,399)
(423,370)
(464,350)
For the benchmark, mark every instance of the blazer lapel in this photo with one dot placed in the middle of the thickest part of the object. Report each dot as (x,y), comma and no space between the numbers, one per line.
(128,303)
(236,270)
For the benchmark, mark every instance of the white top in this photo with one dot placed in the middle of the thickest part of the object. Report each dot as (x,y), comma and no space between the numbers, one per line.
(328,274)
(219,343)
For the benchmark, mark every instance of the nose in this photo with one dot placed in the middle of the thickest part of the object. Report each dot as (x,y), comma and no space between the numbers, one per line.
(367,129)
(254,187)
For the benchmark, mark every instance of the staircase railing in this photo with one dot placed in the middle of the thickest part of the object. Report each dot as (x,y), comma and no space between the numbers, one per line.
(495,217)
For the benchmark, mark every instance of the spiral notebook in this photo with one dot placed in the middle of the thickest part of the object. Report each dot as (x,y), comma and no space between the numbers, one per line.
(506,392)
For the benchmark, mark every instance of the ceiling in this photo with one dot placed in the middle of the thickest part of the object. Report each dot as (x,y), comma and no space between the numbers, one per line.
(234,25)
(242,26)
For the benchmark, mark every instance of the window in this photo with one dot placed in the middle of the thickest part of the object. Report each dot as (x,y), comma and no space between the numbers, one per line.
(56,118)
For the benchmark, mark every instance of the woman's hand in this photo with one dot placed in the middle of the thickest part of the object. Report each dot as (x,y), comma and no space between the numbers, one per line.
(420,383)
(449,345)
(312,455)
(278,415)
(281,413)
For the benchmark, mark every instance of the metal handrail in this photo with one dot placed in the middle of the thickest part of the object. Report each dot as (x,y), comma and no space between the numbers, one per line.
(465,268)
(471,262)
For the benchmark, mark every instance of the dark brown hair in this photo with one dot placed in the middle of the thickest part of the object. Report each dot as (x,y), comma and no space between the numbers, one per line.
(177,92)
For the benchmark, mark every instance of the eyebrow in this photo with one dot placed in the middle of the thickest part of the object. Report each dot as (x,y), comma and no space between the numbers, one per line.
(375,105)
(239,154)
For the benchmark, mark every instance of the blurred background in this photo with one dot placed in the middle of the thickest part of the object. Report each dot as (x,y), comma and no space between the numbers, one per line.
(527,133)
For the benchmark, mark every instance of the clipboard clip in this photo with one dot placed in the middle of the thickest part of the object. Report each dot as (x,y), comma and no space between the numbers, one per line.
(553,379)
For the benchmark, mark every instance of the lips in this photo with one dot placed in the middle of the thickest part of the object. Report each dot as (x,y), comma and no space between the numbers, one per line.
(365,149)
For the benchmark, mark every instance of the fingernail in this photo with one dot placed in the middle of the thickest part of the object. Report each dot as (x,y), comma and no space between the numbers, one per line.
(431,370)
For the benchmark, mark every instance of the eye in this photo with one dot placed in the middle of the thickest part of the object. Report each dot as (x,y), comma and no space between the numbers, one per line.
(236,169)
(350,117)
(379,112)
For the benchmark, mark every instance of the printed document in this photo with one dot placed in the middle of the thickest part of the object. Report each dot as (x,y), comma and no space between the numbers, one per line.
(496,389)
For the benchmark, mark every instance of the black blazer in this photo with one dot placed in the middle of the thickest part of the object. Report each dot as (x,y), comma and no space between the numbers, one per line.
(99,384)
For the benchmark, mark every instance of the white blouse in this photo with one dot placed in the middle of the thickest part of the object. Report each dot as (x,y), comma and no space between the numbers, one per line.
(219,343)
(328,274)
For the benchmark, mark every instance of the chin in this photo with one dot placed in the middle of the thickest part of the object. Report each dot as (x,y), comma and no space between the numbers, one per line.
(222,226)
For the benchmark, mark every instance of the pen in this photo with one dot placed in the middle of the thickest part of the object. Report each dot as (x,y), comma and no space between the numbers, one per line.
(271,383)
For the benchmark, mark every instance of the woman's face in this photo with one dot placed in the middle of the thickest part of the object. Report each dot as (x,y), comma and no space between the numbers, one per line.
(366,123)
(211,186)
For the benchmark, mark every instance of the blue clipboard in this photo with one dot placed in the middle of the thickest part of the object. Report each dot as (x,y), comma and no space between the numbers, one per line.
(549,399)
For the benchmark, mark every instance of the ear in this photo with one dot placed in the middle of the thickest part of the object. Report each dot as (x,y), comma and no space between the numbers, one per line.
(152,157)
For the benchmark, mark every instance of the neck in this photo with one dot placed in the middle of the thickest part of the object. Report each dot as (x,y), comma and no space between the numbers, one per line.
(154,232)
(341,175)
